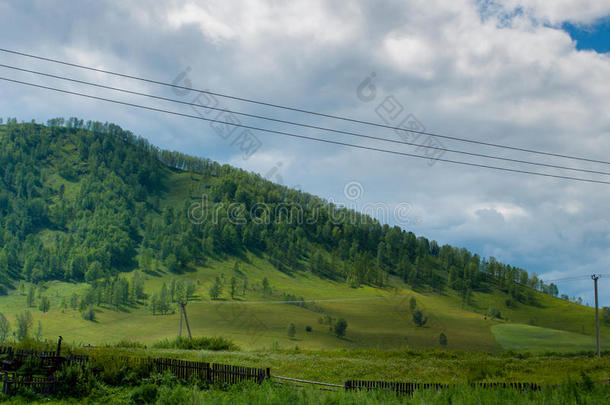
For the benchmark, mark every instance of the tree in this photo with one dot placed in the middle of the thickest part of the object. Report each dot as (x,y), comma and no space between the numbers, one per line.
(266,286)
(89,314)
(340,327)
(216,288)
(163,302)
(292,330)
(419,319)
(493,312)
(74,301)
(45,304)
(179,292)
(38,335)
(24,323)
(30,296)
(154,303)
(442,339)
(5,328)
(233,286)
(412,304)
(244,287)
(190,288)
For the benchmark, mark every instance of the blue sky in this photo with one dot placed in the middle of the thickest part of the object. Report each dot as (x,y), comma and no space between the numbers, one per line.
(514,72)
(595,37)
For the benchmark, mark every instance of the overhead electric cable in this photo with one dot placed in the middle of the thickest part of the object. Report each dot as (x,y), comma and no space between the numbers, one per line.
(300,110)
(305,137)
(301,124)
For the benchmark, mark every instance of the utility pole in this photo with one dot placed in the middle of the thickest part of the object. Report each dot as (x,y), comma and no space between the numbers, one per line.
(186,319)
(595,277)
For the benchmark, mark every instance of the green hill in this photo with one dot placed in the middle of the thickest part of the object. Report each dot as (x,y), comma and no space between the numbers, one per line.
(112,232)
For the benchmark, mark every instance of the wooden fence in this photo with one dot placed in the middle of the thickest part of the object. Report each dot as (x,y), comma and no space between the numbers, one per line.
(410,388)
(212,373)
(12,382)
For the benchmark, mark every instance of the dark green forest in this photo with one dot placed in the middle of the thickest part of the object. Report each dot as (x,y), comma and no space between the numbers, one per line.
(86,201)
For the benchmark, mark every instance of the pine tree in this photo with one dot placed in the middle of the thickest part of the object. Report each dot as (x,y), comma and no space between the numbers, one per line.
(233,286)
(216,289)
(30,296)
(44,304)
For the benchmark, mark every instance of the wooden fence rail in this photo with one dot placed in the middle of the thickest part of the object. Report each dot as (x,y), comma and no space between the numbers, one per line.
(409,387)
(12,382)
(212,373)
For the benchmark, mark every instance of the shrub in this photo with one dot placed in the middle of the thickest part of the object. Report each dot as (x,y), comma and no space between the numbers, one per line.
(31,366)
(308,328)
(145,394)
(292,330)
(442,339)
(199,343)
(130,344)
(76,381)
(419,319)
(89,314)
(494,312)
(340,327)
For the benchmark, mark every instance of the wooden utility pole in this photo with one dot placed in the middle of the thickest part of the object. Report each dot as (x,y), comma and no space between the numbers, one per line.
(595,277)
(186,319)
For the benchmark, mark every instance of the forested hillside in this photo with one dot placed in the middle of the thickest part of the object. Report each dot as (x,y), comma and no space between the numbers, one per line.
(84,201)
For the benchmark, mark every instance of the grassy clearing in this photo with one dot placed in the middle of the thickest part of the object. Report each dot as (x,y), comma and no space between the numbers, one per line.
(536,339)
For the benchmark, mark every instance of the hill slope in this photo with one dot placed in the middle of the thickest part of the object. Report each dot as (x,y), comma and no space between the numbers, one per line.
(97,220)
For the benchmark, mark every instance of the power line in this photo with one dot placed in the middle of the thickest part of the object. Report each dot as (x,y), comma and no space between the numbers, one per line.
(304,136)
(577,278)
(302,124)
(294,109)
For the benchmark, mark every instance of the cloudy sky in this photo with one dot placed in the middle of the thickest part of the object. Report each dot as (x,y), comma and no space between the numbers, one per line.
(530,74)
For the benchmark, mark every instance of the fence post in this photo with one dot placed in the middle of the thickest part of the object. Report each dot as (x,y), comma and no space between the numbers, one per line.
(208,373)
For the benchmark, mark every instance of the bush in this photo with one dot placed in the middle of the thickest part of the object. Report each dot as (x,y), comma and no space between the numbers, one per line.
(340,328)
(130,344)
(31,366)
(145,394)
(199,343)
(76,381)
(89,314)
(442,339)
(308,328)
(419,319)
(292,330)
(494,312)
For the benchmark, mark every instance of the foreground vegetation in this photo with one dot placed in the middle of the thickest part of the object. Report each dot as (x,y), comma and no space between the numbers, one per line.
(171,393)
(565,379)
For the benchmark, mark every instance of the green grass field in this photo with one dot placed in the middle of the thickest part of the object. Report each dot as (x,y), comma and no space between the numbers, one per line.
(536,339)
(377,318)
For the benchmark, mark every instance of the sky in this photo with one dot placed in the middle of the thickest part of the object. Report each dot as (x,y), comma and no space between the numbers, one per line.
(529,74)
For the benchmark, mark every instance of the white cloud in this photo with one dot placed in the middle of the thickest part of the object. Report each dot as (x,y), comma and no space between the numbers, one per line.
(209,25)
(506,77)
